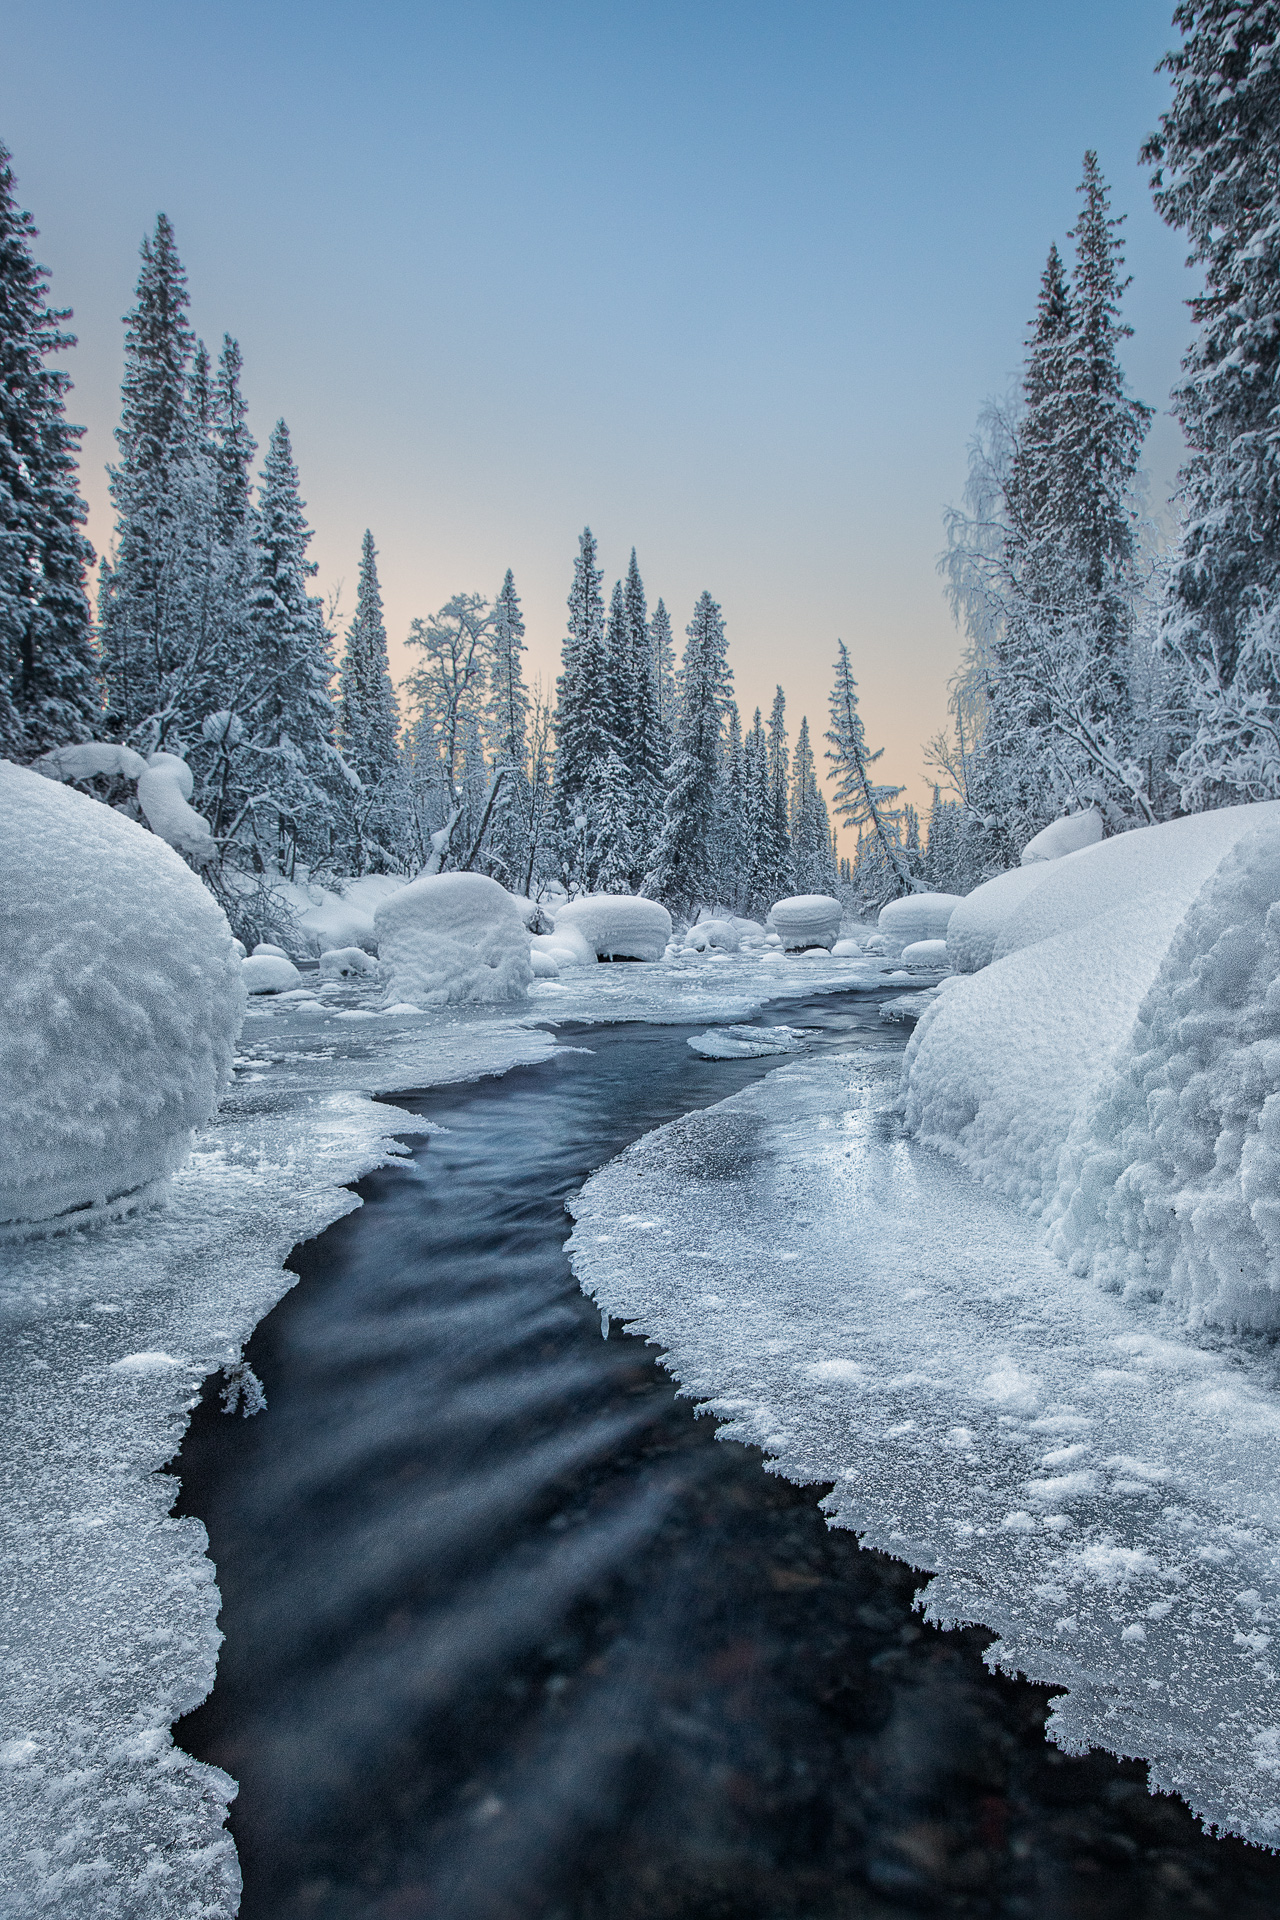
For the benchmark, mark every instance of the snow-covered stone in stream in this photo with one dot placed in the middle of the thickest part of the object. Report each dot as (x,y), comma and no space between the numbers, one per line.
(908,1006)
(925,953)
(564,948)
(346,963)
(918,916)
(269,948)
(1064,836)
(722,936)
(268,973)
(807,920)
(746,1043)
(123,1004)
(1170,1182)
(1000,1069)
(618,926)
(979,920)
(453,937)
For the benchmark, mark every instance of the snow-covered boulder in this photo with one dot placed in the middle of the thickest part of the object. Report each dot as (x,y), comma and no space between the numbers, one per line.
(450,937)
(1064,836)
(925,953)
(1000,1069)
(270,949)
(979,920)
(918,916)
(720,936)
(562,948)
(346,963)
(122,1005)
(618,926)
(269,973)
(807,920)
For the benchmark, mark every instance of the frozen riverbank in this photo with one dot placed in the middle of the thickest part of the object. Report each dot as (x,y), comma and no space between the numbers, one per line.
(110,1606)
(1098,1490)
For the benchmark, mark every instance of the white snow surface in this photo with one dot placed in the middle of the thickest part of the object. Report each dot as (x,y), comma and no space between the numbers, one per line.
(617,926)
(998,1070)
(925,953)
(164,788)
(918,916)
(453,937)
(807,920)
(123,1002)
(1063,836)
(979,920)
(268,973)
(1095,1487)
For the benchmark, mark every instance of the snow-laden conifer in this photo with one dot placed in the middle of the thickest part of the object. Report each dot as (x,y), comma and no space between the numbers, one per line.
(508,727)
(863,806)
(683,873)
(369,723)
(812,864)
(663,654)
(50,693)
(583,722)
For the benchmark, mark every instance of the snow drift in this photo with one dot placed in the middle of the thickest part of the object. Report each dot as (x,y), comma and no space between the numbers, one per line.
(1108,1043)
(451,937)
(807,920)
(918,916)
(618,926)
(1063,836)
(979,920)
(123,1004)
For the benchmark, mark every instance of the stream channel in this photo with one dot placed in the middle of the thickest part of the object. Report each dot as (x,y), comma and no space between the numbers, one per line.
(509,1636)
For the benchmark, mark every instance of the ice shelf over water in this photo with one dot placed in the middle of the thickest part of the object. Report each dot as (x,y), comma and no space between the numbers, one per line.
(1079,1476)
(109,1605)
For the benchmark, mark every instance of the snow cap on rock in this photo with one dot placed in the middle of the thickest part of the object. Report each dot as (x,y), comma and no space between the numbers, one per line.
(1064,836)
(807,920)
(269,973)
(453,937)
(346,963)
(918,916)
(123,1004)
(618,926)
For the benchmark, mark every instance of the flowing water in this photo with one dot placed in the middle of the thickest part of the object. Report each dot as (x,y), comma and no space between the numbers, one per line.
(510,1636)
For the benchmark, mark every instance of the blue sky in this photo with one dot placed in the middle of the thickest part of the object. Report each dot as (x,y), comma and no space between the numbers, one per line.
(730,282)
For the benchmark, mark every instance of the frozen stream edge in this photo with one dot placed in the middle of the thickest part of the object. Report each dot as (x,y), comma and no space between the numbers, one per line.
(109,1605)
(1102,1493)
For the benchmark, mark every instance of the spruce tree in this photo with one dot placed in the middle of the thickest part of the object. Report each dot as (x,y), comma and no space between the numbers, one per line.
(369,722)
(774,877)
(293,714)
(584,710)
(861,804)
(50,691)
(756,821)
(810,831)
(663,655)
(509,739)
(683,873)
(1217,168)
(646,748)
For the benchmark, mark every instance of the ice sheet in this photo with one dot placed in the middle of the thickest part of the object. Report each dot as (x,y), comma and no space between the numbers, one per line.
(1100,1491)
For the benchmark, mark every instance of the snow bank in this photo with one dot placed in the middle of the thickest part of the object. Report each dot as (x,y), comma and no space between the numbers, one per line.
(918,916)
(123,1003)
(979,920)
(1063,836)
(807,920)
(999,1069)
(451,937)
(344,918)
(618,926)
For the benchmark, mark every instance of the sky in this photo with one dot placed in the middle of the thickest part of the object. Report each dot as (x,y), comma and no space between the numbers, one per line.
(727,282)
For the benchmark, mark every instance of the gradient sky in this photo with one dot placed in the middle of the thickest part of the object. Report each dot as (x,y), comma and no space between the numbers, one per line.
(728,281)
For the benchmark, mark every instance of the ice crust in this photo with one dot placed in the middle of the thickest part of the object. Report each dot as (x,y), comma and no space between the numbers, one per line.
(453,937)
(1100,1491)
(123,1000)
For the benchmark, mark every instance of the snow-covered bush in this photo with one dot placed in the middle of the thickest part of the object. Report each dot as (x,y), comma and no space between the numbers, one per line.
(977,923)
(1064,836)
(807,920)
(1000,1068)
(918,916)
(269,973)
(618,926)
(123,1003)
(453,936)
(346,963)
(164,787)
(1170,1182)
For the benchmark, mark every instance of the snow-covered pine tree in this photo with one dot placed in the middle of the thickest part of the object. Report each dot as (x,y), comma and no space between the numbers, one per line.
(292,714)
(812,867)
(50,690)
(508,733)
(683,874)
(774,877)
(1217,176)
(732,854)
(648,745)
(663,654)
(582,723)
(860,803)
(620,676)
(369,725)
(756,819)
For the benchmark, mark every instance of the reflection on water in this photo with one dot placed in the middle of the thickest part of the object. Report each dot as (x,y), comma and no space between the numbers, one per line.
(510,1636)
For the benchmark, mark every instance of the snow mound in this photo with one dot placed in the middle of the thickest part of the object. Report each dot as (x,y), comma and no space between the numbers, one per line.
(1170,1181)
(979,920)
(807,920)
(618,926)
(345,963)
(721,936)
(453,937)
(123,1004)
(1063,836)
(925,953)
(998,1070)
(918,916)
(268,973)
(269,947)
(345,918)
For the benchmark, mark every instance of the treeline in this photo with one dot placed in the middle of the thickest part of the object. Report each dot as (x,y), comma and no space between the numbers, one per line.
(306,759)
(1105,667)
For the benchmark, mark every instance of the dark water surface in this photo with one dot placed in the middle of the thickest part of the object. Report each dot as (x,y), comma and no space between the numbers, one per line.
(510,1636)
